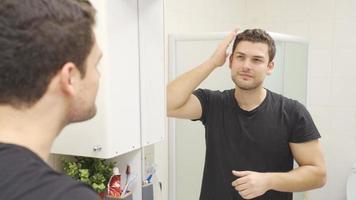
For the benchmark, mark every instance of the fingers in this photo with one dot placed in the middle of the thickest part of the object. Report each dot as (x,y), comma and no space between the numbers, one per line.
(246,194)
(227,55)
(227,41)
(243,179)
(241,187)
(248,184)
(240,181)
(240,173)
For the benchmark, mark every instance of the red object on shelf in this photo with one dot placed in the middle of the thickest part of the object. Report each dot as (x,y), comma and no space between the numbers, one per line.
(114,184)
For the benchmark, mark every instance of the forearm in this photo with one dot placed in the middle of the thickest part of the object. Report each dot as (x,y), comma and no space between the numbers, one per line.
(300,179)
(180,89)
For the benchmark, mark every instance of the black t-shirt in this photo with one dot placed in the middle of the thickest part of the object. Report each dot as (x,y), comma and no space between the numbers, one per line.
(256,140)
(25,176)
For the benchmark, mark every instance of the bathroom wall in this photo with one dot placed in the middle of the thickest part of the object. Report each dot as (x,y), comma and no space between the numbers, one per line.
(330,26)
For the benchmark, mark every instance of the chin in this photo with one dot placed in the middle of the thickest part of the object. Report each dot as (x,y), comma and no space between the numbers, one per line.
(242,87)
(91,114)
(78,116)
(246,85)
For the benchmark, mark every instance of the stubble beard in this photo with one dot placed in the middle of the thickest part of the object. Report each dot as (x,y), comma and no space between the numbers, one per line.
(246,87)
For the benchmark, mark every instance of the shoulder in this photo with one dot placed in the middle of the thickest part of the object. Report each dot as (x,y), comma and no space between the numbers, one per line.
(213,93)
(61,187)
(214,97)
(68,189)
(29,177)
(288,104)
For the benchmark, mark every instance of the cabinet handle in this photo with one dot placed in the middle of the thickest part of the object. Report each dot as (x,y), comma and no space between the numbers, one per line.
(97,148)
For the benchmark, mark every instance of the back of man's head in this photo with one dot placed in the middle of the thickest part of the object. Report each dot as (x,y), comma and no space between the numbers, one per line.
(37,37)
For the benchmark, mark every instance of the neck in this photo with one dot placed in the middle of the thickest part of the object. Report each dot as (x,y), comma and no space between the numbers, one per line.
(250,99)
(34,128)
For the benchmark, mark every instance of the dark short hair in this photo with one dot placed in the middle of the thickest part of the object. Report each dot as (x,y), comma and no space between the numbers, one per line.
(37,37)
(257,35)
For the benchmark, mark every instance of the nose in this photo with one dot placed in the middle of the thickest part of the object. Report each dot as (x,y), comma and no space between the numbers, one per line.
(246,65)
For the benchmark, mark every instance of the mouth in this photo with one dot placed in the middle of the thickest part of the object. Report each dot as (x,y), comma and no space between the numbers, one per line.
(245,76)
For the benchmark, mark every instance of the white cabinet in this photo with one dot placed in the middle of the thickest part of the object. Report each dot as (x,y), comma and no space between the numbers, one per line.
(131,105)
(152,70)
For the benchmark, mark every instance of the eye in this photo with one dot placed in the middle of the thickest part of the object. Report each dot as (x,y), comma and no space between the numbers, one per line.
(239,57)
(257,60)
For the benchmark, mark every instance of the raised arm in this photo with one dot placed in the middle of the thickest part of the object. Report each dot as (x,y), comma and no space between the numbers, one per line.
(181,103)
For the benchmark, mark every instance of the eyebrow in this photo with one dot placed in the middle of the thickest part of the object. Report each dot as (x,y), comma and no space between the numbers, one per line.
(240,53)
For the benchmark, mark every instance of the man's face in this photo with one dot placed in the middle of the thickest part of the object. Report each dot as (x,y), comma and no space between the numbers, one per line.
(250,64)
(83,107)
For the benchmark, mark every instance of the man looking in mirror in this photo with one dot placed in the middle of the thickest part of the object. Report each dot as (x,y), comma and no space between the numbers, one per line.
(253,135)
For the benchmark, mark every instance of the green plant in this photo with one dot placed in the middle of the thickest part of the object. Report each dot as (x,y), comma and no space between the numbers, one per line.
(92,171)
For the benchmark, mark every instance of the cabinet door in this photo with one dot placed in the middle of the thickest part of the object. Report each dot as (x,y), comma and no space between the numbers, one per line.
(152,73)
(116,127)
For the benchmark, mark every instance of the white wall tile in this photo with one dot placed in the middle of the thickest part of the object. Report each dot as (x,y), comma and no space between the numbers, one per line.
(320,62)
(269,25)
(275,8)
(324,193)
(343,121)
(345,32)
(297,10)
(228,25)
(321,34)
(319,91)
(278,26)
(298,28)
(179,23)
(177,5)
(322,9)
(252,23)
(230,10)
(322,119)
(345,9)
(343,92)
(344,63)
(255,9)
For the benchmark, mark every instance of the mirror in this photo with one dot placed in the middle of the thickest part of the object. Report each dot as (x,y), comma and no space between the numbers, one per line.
(187,147)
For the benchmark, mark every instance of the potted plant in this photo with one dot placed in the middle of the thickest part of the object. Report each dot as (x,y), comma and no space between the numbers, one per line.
(91,171)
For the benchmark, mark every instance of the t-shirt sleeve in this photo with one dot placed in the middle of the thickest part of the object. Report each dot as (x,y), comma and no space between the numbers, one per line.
(66,188)
(303,127)
(80,192)
(203,96)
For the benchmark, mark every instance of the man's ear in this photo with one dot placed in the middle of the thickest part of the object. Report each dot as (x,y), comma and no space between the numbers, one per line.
(68,78)
(270,67)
